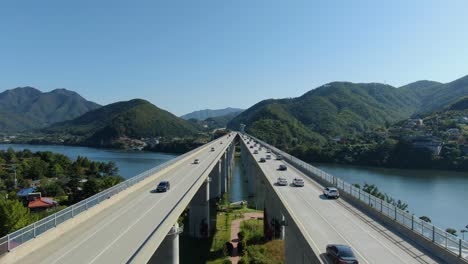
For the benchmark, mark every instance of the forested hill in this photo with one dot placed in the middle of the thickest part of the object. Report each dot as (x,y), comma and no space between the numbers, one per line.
(134,119)
(344,108)
(27,108)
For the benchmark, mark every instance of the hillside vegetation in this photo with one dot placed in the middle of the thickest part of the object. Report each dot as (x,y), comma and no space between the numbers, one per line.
(133,119)
(27,108)
(341,109)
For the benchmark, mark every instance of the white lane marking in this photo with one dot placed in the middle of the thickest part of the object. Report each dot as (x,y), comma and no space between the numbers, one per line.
(294,216)
(170,176)
(315,188)
(317,191)
(328,223)
(141,217)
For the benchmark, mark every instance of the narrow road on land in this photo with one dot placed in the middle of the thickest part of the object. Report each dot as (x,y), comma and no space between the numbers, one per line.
(235,229)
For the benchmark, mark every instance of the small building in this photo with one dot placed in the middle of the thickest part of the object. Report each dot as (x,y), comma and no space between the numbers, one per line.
(42,203)
(24,193)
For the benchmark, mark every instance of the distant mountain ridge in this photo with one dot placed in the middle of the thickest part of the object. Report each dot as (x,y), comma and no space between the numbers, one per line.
(344,108)
(26,108)
(210,113)
(136,119)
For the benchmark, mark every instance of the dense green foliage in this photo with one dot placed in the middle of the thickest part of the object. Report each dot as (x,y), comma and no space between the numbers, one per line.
(56,176)
(342,109)
(460,105)
(254,248)
(335,109)
(28,108)
(133,119)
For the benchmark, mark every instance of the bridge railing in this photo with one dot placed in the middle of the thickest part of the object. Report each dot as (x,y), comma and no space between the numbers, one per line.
(429,231)
(17,238)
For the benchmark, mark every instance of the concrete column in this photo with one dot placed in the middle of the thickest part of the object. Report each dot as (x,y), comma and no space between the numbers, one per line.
(168,251)
(215,184)
(199,213)
(223,174)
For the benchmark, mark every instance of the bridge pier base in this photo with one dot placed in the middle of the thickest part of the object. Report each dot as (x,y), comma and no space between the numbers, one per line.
(199,213)
(215,184)
(168,251)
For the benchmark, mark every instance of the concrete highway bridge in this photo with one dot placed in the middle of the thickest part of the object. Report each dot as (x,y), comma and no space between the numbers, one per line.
(129,223)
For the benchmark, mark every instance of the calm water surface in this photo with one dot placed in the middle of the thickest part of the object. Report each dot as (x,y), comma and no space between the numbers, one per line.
(239,189)
(130,163)
(440,195)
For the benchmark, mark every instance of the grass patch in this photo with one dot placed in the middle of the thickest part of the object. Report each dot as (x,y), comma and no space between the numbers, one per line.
(255,249)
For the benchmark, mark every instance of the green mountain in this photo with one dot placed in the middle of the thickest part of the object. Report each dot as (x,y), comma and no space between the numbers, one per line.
(209,113)
(27,108)
(459,105)
(343,108)
(444,94)
(134,119)
(334,109)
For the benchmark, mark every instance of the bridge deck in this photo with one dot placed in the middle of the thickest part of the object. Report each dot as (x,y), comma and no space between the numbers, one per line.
(337,222)
(115,233)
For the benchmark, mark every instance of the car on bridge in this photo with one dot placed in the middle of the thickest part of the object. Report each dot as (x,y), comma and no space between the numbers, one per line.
(196,161)
(212,149)
(279,157)
(331,192)
(163,186)
(255,151)
(268,150)
(282,167)
(341,254)
(268,156)
(220,142)
(282,181)
(251,146)
(262,160)
(298,182)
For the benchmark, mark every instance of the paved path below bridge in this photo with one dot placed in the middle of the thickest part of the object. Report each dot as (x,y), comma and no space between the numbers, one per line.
(235,229)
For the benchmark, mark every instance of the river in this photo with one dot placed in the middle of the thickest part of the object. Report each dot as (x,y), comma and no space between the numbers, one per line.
(440,195)
(130,163)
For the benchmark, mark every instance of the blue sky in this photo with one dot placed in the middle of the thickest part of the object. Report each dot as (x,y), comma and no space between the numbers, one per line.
(189,55)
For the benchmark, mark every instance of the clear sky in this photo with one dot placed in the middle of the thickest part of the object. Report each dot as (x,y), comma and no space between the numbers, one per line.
(196,54)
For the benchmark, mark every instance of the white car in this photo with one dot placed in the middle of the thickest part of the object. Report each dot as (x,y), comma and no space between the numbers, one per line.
(279,157)
(268,156)
(255,151)
(196,161)
(331,192)
(268,150)
(282,181)
(298,182)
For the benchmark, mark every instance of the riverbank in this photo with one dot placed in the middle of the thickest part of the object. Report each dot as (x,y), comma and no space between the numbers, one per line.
(436,194)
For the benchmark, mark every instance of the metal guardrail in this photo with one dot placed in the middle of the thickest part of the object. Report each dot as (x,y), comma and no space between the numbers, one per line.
(17,238)
(436,235)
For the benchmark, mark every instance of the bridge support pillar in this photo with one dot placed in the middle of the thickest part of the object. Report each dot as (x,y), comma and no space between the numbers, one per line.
(215,184)
(224,173)
(199,213)
(168,251)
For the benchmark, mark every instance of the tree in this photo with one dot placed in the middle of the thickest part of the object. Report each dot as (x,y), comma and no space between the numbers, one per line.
(425,219)
(13,216)
(451,231)
(51,189)
(90,187)
(110,168)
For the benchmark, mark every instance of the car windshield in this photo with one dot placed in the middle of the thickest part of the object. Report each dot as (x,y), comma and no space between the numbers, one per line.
(162,183)
(346,252)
